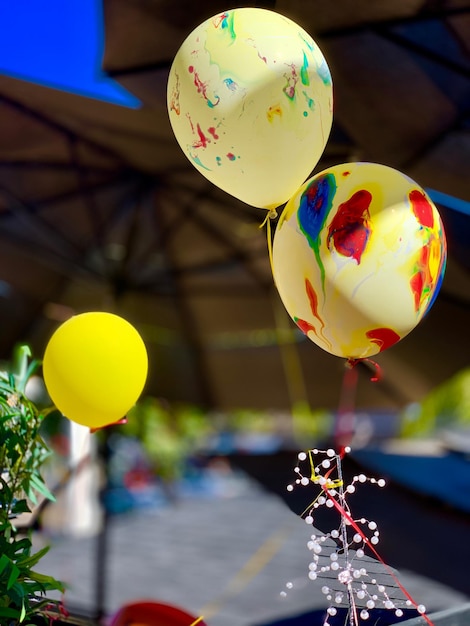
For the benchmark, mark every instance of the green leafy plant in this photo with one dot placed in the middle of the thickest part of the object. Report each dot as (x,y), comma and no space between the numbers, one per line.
(22,454)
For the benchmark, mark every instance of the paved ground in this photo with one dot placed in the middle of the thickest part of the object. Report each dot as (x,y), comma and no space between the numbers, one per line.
(227,557)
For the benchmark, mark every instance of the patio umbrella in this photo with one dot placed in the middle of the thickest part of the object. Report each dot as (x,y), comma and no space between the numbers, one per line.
(101,210)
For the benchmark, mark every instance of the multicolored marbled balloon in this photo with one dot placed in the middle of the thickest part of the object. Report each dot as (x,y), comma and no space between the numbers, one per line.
(250,103)
(359,255)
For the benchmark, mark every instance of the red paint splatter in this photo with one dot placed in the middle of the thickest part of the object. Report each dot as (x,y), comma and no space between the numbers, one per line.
(422,208)
(313,300)
(219,19)
(292,80)
(421,280)
(231,156)
(202,88)
(203,140)
(383,337)
(346,173)
(213,132)
(350,228)
(175,97)
(305,326)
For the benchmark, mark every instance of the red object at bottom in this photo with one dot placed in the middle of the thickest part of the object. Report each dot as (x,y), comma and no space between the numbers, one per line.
(149,613)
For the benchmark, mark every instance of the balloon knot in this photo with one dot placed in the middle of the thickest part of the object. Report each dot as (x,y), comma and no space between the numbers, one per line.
(376,376)
(270,215)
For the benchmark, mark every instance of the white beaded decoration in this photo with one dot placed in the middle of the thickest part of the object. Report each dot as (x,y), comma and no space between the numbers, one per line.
(357,581)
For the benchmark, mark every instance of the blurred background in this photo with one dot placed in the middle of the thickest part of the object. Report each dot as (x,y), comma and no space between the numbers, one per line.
(101,210)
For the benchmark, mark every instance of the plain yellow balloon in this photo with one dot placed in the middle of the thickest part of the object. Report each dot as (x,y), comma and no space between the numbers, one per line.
(95,368)
(250,101)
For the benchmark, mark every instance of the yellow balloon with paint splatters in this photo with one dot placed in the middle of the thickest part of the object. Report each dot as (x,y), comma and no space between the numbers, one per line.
(250,103)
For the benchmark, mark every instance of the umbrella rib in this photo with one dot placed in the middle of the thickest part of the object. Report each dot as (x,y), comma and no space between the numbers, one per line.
(220,237)
(346,31)
(32,217)
(189,329)
(431,55)
(423,151)
(122,178)
(51,165)
(63,130)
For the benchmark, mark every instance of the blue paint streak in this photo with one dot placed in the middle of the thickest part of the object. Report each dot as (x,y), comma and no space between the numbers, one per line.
(59,44)
(314,206)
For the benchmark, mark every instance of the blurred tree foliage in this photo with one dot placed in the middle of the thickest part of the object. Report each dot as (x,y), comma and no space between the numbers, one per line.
(447,405)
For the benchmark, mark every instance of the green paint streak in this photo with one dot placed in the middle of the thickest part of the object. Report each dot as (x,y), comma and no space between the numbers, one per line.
(304,77)
(310,101)
(198,161)
(309,43)
(228,24)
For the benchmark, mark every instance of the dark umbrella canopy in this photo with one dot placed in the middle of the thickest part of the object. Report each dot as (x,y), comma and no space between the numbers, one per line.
(101,210)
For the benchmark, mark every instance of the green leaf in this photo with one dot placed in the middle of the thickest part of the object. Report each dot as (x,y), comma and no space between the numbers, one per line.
(41,488)
(20,506)
(32,560)
(14,573)
(4,562)
(23,612)
(7,612)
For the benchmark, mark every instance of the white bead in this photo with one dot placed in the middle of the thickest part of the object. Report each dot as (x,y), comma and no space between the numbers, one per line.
(388,604)
(381,482)
(361,594)
(360,553)
(309,519)
(331,610)
(364,614)
(372,525)
(370,604)
(374,540)
(357,538)
(347,449)
(421,608)
(302,456)
(350,488)
(290,488)
(312,575)
(329,504)
(335,565)
(325,589)
(398,612)
(333,556)
(330,452)
(304,481)
(289,585)
(362,478)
